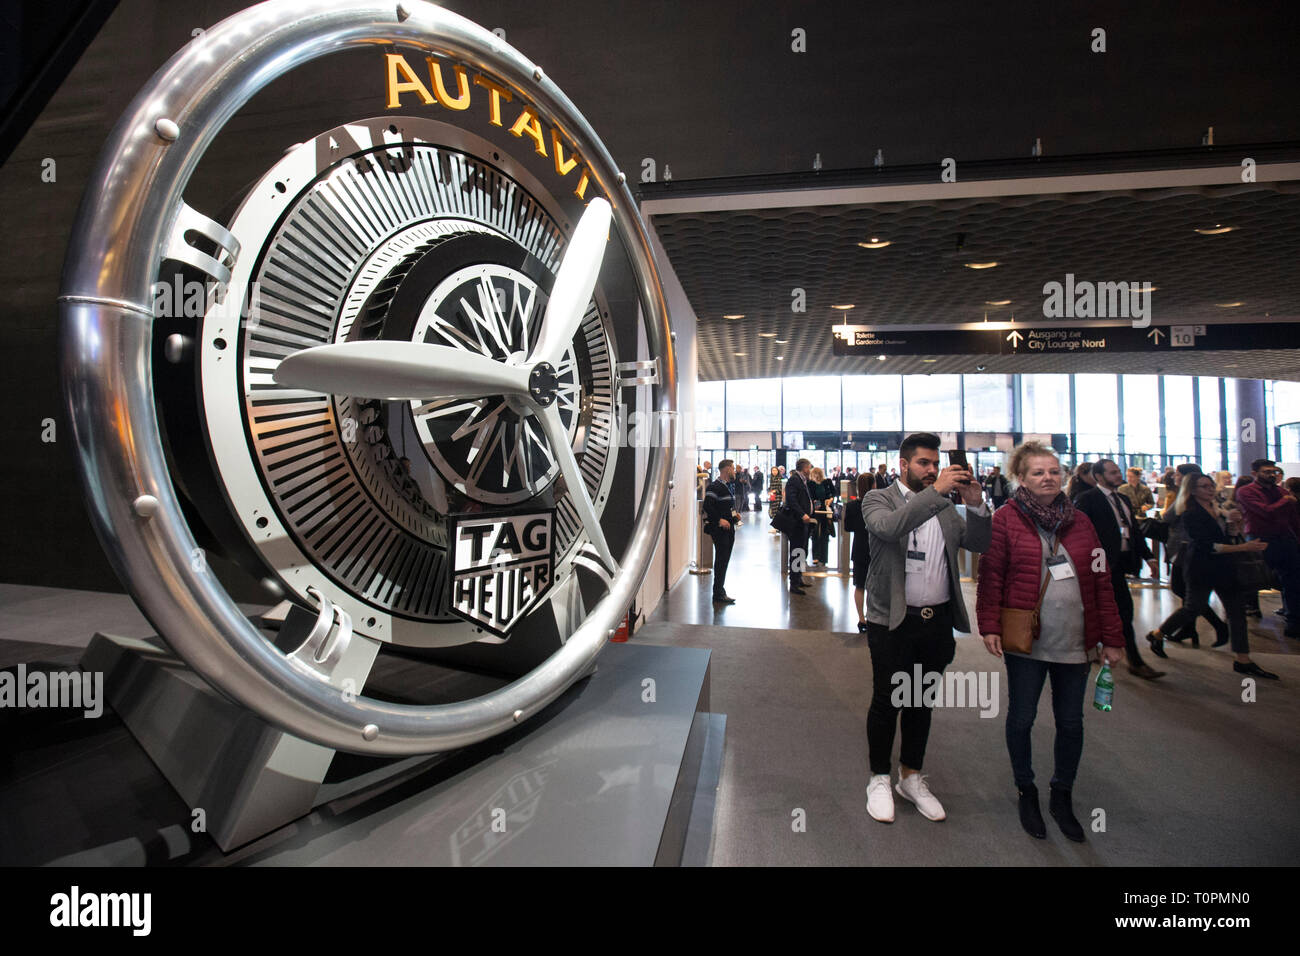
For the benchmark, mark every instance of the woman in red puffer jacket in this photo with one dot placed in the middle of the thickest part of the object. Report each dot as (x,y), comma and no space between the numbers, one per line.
(1040,538)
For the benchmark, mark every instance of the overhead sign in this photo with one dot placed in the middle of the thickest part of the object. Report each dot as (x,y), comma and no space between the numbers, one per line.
(1002,338)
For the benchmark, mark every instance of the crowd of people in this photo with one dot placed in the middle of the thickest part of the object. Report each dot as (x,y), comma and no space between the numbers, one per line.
(1052,588)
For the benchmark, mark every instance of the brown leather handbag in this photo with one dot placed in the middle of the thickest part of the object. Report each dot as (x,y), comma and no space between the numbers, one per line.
(1020,627)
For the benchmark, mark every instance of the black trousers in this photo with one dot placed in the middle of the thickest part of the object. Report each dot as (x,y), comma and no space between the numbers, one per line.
(1124,603)
(915,641)
(1187,624)
(798,556)
(1198,602)
(723,541)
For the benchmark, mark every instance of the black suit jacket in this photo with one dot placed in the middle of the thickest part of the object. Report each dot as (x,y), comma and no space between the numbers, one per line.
(797,498)
(1093,503)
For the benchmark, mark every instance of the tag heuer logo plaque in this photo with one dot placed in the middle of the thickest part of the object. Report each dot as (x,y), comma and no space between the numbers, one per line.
(502,566)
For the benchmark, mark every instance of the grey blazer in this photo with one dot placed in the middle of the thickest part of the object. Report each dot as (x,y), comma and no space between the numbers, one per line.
(889,521)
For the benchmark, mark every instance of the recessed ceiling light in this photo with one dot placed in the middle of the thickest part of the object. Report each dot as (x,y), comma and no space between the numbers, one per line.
(980,368)
(1233,365)
(739,316)
(929,360)
(842,308)
(782,341)
(881,358)
(980,265)
(997,302)
(767,335)
(740,354)
(780,358)
(1228,305)
(1217,230)
(875,243)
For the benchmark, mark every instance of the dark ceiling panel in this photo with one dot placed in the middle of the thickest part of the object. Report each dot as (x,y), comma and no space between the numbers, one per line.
(751,262)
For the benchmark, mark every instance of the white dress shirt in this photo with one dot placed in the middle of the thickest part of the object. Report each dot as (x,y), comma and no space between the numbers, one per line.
(929,585)
(1119,506)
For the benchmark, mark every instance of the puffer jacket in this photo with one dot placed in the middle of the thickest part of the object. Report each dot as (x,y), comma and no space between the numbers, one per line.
(1011,574)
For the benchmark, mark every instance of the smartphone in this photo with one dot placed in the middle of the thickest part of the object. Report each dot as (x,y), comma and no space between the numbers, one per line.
(958,457)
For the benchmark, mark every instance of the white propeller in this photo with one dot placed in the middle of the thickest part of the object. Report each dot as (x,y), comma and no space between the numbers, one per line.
(405,371)
(558,439)
(399,371)
(574,284)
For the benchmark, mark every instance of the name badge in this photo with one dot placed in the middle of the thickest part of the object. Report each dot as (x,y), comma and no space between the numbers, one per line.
(1059,566)
(1123,531)
(915,562)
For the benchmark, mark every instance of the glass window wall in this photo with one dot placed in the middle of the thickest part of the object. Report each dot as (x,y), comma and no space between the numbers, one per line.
(1097,408)
(932,403)
(754,404)
(873,403)
(1045,404)
(812,404)
(988,402)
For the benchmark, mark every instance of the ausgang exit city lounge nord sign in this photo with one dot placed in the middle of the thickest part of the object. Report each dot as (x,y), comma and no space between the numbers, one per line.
(1005,338)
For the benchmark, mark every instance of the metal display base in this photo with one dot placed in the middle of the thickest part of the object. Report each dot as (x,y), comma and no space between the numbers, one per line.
(602,776)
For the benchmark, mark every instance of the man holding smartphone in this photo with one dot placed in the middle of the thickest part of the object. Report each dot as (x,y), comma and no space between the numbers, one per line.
(914,602)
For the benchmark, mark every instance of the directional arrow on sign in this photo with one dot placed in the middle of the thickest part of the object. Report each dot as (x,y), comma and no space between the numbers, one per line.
(1014,338)
(1155,334)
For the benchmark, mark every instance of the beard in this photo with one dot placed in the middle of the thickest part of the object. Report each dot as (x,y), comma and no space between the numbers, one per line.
(914,483)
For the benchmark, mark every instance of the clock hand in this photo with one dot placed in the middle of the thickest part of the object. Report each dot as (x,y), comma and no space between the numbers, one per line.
(574,284)
(397,371)
(558,439)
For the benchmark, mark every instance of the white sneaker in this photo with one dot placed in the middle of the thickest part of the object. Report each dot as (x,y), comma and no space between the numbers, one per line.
(880,802)
(913,787)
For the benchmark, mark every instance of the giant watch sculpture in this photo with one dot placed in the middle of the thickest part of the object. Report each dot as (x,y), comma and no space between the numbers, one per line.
(396,287)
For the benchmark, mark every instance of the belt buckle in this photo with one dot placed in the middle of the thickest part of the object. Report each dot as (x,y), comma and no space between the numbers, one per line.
(927,613)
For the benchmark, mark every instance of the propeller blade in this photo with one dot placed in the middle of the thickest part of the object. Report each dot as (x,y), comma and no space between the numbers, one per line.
(574,284)
(399,371)
(562,451)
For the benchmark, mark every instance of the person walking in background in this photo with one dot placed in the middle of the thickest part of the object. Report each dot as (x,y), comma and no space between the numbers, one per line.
(1111,516)
(914,602)
(1208,566)
(1081,481)
(775,487)
(1137,493)
(998,487)
(882,477)
(860,552)
(720,520)
(798,501)
(822,491)
(756,487)
(1273,516)
(1043,546)
(742,489)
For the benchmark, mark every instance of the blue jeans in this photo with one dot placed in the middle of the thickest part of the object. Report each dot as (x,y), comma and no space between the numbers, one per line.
(1025,678)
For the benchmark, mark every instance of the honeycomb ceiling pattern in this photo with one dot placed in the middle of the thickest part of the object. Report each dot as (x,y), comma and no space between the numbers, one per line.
(749,262)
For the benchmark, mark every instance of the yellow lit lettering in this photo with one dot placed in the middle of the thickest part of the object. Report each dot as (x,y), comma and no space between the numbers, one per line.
(411,84)
(527,123)
(562,165)
(461,102)
(494,102)
(581,191)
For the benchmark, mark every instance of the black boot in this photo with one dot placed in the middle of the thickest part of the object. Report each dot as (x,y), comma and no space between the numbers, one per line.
(1063,813)
(1031,818)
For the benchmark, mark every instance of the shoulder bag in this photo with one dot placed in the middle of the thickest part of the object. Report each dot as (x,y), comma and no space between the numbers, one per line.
(1251,570)
(1020,627)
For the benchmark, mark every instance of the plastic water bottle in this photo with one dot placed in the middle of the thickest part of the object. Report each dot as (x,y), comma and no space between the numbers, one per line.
(1101,698)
